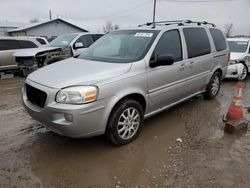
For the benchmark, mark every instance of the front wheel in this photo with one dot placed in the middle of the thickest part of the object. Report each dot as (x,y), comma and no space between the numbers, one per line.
(244,73)
(213,87)
(125,122)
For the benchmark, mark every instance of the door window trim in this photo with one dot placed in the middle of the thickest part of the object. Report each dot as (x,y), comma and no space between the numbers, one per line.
(181,44)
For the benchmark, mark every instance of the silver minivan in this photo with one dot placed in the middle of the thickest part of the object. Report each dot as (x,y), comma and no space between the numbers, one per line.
(126,76)
(10,45)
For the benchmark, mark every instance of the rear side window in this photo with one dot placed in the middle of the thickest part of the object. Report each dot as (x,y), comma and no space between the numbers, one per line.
(97,36)
(41,41)
(9,44)
(86,40)
(197,42)
(170,44)
(219,39)
(27,44)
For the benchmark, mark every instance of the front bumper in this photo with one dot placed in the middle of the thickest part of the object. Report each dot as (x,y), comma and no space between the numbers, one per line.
(88,119)
(234,71)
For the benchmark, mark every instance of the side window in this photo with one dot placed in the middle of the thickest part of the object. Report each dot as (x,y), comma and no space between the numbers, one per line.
(41,41)
(219,39)
(9,44)
(170,43)
(27,44)
(96,37)
(86,40)
(197,42)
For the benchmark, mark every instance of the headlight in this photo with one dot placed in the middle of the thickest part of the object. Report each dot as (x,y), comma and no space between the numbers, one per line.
(77,95)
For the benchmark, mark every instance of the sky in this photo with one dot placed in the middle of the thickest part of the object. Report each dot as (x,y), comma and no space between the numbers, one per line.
(93,14)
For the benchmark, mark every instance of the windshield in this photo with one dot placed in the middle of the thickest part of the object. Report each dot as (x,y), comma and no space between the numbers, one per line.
(121,46)
(238,46)
(62,41)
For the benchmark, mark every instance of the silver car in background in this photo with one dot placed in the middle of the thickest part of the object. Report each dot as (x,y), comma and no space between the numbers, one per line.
(62,47)
(126,76)
(10,45)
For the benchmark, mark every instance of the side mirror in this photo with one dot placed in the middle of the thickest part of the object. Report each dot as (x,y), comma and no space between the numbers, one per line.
(162,60)
(78,45)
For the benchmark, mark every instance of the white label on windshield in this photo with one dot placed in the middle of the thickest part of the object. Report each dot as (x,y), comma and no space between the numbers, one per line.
(143,34)
(65,42)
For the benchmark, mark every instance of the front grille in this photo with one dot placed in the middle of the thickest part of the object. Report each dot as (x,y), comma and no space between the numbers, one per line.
(36,96)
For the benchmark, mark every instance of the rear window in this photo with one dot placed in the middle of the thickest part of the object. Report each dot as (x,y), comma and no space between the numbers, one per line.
(27,44)
(197,42)
(9,44)
(219,40)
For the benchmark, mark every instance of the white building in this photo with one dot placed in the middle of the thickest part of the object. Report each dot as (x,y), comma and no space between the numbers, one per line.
(48,29)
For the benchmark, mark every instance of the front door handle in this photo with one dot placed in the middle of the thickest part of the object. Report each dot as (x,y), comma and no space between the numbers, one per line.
(182,67)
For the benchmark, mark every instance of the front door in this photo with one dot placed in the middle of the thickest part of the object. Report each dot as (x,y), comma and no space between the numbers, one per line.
(166,84)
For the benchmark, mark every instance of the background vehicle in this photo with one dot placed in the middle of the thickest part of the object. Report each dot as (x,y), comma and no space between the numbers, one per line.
(239,64)
(62,47)
(127,76)
(42,40)
(9,45)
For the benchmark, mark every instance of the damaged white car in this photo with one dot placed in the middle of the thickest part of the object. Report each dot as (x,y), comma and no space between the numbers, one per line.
(239,64)
(64,46)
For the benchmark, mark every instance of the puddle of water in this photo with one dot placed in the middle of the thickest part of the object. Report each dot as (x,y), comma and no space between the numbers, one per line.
(93,162)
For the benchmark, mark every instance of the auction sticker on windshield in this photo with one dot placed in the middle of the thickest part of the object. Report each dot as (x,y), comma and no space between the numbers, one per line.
(143,34)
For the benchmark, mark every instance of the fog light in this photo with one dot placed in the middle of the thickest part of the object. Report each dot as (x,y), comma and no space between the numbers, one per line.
(68,117)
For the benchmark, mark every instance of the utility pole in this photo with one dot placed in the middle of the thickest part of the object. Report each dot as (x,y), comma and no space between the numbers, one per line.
(50,17)
(154,14)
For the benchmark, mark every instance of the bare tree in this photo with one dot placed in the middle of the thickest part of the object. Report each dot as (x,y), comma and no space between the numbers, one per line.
(110,27)
(229,29)
(34,20)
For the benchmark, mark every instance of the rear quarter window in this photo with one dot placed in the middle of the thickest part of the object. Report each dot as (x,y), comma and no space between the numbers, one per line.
(197,42)
(41,41)
(9,45)
(96,37)
(219,40)
(27,44)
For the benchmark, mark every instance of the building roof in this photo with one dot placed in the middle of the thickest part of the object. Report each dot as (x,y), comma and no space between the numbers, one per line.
(33,25)
(11,24)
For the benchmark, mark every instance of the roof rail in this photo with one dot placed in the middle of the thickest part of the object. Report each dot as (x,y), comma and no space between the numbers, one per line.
(178,22)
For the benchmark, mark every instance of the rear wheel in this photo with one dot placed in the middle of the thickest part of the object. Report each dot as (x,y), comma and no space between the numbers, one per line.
(213,87)
(244,73)
(125,123)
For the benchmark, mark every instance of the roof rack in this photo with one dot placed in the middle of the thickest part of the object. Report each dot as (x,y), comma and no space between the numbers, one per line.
(178,22)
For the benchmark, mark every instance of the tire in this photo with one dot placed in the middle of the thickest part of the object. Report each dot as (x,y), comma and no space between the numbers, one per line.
(123,128)
(244,74)
(213,87)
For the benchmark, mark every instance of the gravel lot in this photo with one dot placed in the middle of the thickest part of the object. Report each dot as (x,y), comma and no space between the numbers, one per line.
(182,147)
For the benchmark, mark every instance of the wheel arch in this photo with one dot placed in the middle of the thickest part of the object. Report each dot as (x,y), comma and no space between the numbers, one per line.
(135,96)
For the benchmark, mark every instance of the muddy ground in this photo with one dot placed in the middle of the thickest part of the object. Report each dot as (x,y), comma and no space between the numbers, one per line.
(31,156)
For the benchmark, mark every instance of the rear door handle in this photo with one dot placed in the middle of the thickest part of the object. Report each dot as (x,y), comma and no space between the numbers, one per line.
(191,64)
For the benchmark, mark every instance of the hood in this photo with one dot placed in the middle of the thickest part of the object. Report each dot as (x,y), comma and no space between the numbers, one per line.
(236,56)
(74,71)
(31,52)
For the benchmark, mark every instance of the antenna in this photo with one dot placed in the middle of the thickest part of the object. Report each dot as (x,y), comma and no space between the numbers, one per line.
(154,14)
(50,16)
